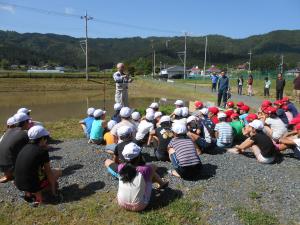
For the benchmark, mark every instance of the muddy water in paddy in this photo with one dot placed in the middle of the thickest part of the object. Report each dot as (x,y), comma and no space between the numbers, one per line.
(56,105)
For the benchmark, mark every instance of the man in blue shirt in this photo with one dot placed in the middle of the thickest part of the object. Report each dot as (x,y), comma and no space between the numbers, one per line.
(223,86)
(214,80)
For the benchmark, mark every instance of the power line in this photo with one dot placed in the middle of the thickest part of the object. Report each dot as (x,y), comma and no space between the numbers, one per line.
(114,23)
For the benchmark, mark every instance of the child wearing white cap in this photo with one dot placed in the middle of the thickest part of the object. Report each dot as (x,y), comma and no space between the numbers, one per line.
(125,114)
(161,138)
(223,132)
(135,182)
(260,144)
(144,129)
(125,136)
(183,154)
(33,172)
(9,124)
(154,106)
(136,118)
(116,117)
(86,123)
(98,127)
(11,144)
(179,103)
(157,116)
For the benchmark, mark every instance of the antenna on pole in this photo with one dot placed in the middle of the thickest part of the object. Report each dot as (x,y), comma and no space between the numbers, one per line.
(204,66)
(250,57)
(153,59)
(281,65)
(184,60)
(86,18)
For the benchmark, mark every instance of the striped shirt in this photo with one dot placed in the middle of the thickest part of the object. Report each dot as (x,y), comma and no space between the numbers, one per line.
(185,151)
(225,133)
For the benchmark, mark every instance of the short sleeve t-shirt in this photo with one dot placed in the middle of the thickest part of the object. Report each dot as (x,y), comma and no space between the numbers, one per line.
(143,129)
(185,151)
(139,190)
(264,143)
(225,132)
(243,118)
(277,126)
(88,123)
(97,130)
(164,136)
(28,169)
(123,123)
(237,127)
(109,138)
(12,142)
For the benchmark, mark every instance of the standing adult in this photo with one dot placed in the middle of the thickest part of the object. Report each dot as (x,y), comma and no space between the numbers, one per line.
(223,86)
(240,82)
(250,85)
(214,80)
(122,81)
(280,84)
(297,87)
(267,87)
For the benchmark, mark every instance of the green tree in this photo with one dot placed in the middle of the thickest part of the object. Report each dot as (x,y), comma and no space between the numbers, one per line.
(5,64)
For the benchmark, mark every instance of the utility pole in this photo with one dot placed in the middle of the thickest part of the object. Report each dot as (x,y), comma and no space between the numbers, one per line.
(250,56)
(184,59)
(153,59)
(86,18)
(204,67)
(281,67)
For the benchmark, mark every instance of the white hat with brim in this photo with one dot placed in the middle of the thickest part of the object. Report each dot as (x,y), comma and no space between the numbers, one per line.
(117,106)
(36,132)
(149,110)
(131,151)
(257,124)
(191,118)
(179,102)
(125,112)
(150,116)
(124,131)
(221,115)
(154,105)
(136,116)
(20,117)
(111,124)
(178,112)
(98,113)
(11,121)
(179,128)
(157,114)
(90,111)
(24,110)
(165,119)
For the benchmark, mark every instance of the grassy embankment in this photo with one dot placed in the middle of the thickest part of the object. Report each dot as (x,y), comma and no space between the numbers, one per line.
(100,207)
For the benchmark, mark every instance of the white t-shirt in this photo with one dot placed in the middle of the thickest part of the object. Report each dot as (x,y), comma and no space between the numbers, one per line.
(123,123)
(143,129)
(277,126)
(267,84)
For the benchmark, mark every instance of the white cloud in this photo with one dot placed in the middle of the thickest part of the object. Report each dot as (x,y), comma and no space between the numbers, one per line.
(7,8)
(69,10)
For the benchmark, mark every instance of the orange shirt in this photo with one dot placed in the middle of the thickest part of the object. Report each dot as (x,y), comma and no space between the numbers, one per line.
(109,138)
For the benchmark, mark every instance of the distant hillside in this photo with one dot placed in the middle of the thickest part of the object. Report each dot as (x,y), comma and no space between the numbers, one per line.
(35,49)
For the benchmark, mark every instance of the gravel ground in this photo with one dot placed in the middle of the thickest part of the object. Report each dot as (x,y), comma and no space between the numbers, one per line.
(226,180)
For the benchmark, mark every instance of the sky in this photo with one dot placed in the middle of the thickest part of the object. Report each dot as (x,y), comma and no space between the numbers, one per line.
(127,18)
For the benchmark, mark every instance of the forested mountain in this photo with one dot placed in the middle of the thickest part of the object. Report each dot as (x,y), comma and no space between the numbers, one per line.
(37,49)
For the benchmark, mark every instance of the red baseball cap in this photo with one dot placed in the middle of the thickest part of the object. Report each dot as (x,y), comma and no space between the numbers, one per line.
(266,103)
(285,107)
(297,127)
(214,110)
(230,104)
(229,113)
(251,117)
(278,102)
(295,121)
(245,108)
(234,115)
(198,104)
(239,104)
(270,110)
(285,99)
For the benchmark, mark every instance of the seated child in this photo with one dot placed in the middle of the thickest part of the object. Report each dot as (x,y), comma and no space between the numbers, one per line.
(260,144)
(116,117)
(108,138)
(86,123)
(244,113)
(237,127)
(223,132)
(183,154)
(98,126)
(136,178)
(144,129)
(136,119)
(33,173)
(292,140)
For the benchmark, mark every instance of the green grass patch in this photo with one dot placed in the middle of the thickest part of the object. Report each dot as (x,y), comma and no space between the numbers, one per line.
(165,109)
(254,195)
(255,216)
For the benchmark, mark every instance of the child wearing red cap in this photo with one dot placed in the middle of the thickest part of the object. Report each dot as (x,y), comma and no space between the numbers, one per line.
(292,108)
(237,127)
(198,105)
(212,114)
(288,114)
(292,140)
(280,112)
(244,113)
(275,128)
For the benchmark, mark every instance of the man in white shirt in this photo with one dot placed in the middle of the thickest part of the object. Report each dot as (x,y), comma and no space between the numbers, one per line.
(122,81)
